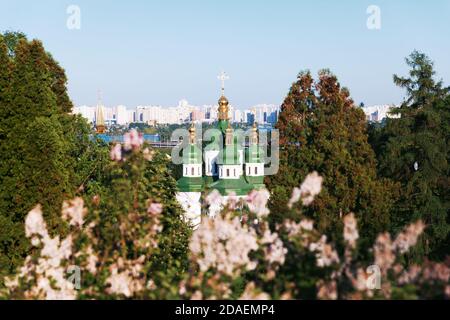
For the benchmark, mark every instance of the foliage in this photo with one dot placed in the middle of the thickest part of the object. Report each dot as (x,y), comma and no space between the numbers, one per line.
(127,240)
(229,257)
(45,152)
(320,129)
(413,149)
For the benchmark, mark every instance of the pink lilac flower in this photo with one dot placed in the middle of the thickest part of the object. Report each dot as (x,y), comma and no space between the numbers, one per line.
(325,254)
(408,238)
(310,188)
(155,208)
(232,200)
(251,293)
(223,244)
(74,211)
(148,154)
(350,230)
(327,290)
(133,140)
(116,152)
(383,252)
(257,202)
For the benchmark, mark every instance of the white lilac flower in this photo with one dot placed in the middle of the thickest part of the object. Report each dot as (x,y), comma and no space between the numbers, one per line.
(215,201)
(311,187)
(74,211)
(34,223)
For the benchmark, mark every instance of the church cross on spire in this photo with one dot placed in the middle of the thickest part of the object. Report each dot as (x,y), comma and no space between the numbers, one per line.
(223,77)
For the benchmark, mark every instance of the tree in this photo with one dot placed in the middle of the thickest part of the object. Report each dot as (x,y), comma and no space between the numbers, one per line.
(413,149)
(33,149)
(46,154)
(137,178)
(321,130)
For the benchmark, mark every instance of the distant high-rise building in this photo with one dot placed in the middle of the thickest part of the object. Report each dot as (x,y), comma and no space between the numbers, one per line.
(379,112)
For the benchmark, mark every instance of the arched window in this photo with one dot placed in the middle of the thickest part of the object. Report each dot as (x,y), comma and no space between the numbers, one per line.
(185,173)
(256,170)
(192,171)
(228,172)
(235,172)
(249,170)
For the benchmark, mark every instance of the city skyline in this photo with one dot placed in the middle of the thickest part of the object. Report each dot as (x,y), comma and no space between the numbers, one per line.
(155,51)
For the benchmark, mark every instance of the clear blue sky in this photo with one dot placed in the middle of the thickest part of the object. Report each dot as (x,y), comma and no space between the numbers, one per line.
(157,52)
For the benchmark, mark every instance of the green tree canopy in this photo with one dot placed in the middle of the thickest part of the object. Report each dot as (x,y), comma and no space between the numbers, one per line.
(413,149)
(45,152)
(321,130)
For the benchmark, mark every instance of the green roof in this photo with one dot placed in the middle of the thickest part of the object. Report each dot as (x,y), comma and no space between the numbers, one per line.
(190,184)
(208,180)
(239,186)
(257,182)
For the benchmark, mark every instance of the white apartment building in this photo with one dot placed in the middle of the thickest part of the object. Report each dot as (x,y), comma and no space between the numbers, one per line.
(182,113)
(113,115)
(378,112)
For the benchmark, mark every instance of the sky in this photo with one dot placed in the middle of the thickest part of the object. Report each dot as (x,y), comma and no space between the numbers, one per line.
(159,52)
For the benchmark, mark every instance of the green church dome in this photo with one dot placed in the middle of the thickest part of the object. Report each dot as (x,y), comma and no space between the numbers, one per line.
(192,155)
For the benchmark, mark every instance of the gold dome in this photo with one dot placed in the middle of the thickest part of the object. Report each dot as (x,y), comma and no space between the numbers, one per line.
(223,108)
(254,134)
(192,134)
(223,101)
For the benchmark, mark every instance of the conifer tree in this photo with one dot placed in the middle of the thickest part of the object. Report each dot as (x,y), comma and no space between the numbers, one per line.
(45,152)
(32,168)
(413,149)
(321,130)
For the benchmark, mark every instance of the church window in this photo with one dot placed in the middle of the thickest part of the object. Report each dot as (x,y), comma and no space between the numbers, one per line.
(256,170)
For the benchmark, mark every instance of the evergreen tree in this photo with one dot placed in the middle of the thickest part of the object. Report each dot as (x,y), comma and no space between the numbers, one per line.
(46,154)
(32,168)
(321,129)
(413,149)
